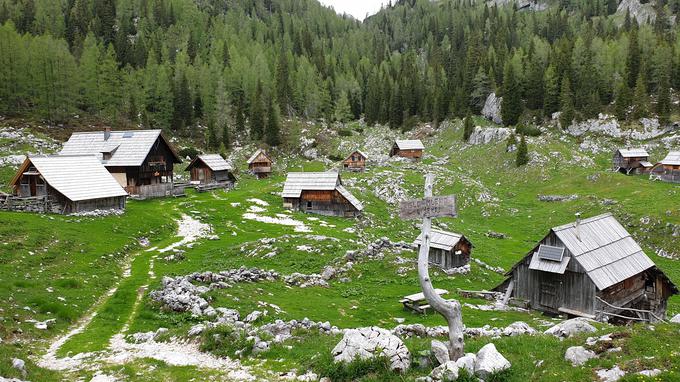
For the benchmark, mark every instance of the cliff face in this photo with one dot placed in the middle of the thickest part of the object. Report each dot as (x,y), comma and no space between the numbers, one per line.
(531,5)
(643,13)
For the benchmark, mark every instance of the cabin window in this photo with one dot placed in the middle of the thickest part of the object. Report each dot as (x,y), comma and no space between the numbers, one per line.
(25,186)
(40,187)
(309,204)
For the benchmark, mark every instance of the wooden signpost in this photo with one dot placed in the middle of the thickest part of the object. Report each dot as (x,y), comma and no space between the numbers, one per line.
(426,209)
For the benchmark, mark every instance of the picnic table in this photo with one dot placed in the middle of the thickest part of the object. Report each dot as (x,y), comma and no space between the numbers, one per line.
(417,302)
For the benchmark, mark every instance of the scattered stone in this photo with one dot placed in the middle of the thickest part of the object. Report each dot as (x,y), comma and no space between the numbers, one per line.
(490,361)
(366,343)
(578,355)
(557,198)
(496,235)
(611,375)
(448,371)
(486,135)
(651,373)
(19,365)
(440,352)
(467,362)
(676,319)
(518,328)
(571,327)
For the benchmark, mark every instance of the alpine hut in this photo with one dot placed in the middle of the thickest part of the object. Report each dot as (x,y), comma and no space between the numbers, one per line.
(68,184)
(631,161)
(356,161)
(321,193)
(211,169)
(142,161)
(668,169)
(447,249)
(408,149)
(260,164)
(591,268)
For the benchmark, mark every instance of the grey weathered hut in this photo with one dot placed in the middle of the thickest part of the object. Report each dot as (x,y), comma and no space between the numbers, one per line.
(631,161)
(210,169)
(591,268)
(320,193)
(142,161)
(668,169)
(260,164)
(356,161)
(67,184)
(410,148)
(447,249)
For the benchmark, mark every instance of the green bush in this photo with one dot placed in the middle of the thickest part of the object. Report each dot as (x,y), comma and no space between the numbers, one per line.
(335,158)
(528,130)
(345,133)
(225,341)
(190,152)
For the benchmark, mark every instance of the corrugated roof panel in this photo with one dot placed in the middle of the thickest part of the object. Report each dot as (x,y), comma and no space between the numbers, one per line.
(410,144)
(215,162)
(441,239)
(133,146)
(78,178)
(672,159)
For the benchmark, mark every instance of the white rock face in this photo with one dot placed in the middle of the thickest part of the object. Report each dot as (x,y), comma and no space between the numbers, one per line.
(676,319)
(571,327)
(643,13)
(467,362)
(366,343)
(486,135)
(440,352)
(578,355)
(492,108)
(611,375)
(609,126)
(447,372)
(490,361)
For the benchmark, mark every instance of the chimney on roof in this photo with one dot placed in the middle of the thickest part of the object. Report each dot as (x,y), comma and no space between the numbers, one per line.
(107,133)
(578,226)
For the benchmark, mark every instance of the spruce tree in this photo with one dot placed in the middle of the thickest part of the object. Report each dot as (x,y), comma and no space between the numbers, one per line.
(273,129)
(222,113)
(624,97)
(522,153)
(481,88)
(283,87)
(551,99)
(198,105)
(640,98)
(567,112)
(511,107)
(342,109)
(633,59)
(468,128)
(257,121)
(512,141)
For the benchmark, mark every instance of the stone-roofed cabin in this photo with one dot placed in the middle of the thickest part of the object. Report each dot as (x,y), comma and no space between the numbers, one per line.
(631,161)
(64,184)
(260,164)
(320,193)
(447,249)
(591,268)
(668,169)
(356,161)
(412,149)
(142,161)
(211,169)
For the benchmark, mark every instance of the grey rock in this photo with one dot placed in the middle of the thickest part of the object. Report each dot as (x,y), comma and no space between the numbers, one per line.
(492,108)
(366,343)
(651,373)
(19,365)
(486,135)
(440,352)
(490,361)
(467,362)
(446,372)
(578,355)
(676,319)
(571,327)
(611,375)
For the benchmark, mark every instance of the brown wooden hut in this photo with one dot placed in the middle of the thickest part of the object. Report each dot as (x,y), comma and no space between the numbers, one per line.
(211,169)
(142,161)
(447,249)
(631,161)
(355,161)
(66,184)
(412,149)
(260,164)
(591,268)
(320,193)
(668,169)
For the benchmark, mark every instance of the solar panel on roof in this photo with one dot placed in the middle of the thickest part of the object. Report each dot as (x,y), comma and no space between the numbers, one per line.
(550,253)
(128,134)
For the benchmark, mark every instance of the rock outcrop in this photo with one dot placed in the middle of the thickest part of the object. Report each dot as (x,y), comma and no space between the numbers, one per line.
(486,135)
(643,13)
(490,361)
(492,108)
(371,342)
(571,327)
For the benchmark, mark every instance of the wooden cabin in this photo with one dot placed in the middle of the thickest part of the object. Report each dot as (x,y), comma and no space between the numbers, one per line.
(67,184)
(356,161)
(412,149)
(668,169)
(211,169)
(631,161)
(260,164)
(447,249)
(320,193)
(591,268)
(141,161)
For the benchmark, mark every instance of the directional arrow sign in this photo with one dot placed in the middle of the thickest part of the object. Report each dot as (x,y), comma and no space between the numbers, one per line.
(431,207)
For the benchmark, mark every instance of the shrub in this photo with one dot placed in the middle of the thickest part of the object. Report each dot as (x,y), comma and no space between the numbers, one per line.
(335,158)
(528,130)
(345,133)
(190,152)
(226,341)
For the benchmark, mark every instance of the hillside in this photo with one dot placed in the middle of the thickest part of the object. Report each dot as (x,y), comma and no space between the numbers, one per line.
(95,283)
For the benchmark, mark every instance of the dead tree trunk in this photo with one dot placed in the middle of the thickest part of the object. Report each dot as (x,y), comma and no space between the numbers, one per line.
(451,310)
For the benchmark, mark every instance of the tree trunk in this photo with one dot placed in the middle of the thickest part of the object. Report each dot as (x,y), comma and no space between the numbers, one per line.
(451,310)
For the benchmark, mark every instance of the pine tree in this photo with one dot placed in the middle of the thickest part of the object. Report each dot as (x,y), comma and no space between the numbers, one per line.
(283,87)
(640,98)
(468,128)
(257,121)
(239,110)
(567,112)
(109,83)
(633,59)
(105,20)
(273,129)
(522,153)
(511,107)
(624,97)
(222,112)
(184,102)
(551,99)
(481,88)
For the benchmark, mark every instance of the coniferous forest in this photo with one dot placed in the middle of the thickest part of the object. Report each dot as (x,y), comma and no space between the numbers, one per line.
(237,66)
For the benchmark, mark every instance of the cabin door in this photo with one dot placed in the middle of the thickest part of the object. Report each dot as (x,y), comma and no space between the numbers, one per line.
(550,291)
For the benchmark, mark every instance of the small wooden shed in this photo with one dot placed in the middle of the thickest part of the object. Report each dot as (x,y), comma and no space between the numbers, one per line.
(668,169)
(631,161)
(211,169)
(412,149)
(260,164)
(447,249)
(320,193)
(68,183)
(591,268)
(356,161)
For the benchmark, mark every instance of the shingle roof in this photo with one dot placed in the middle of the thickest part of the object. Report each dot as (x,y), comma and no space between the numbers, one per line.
(633,153)
(672,159)
(128,148)
(317,181)
(256,154)
(77,177)
(215,162)
(359,152)
(604,249)
(441,239)
(412,144)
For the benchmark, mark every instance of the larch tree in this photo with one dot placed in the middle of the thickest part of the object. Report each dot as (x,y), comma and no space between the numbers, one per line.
(567,113)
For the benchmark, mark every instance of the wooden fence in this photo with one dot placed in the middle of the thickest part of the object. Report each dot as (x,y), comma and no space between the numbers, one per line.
(671,176)
(159,190)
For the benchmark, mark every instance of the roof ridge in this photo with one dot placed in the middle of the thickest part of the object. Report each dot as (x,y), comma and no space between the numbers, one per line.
(584,221)
(114,131)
